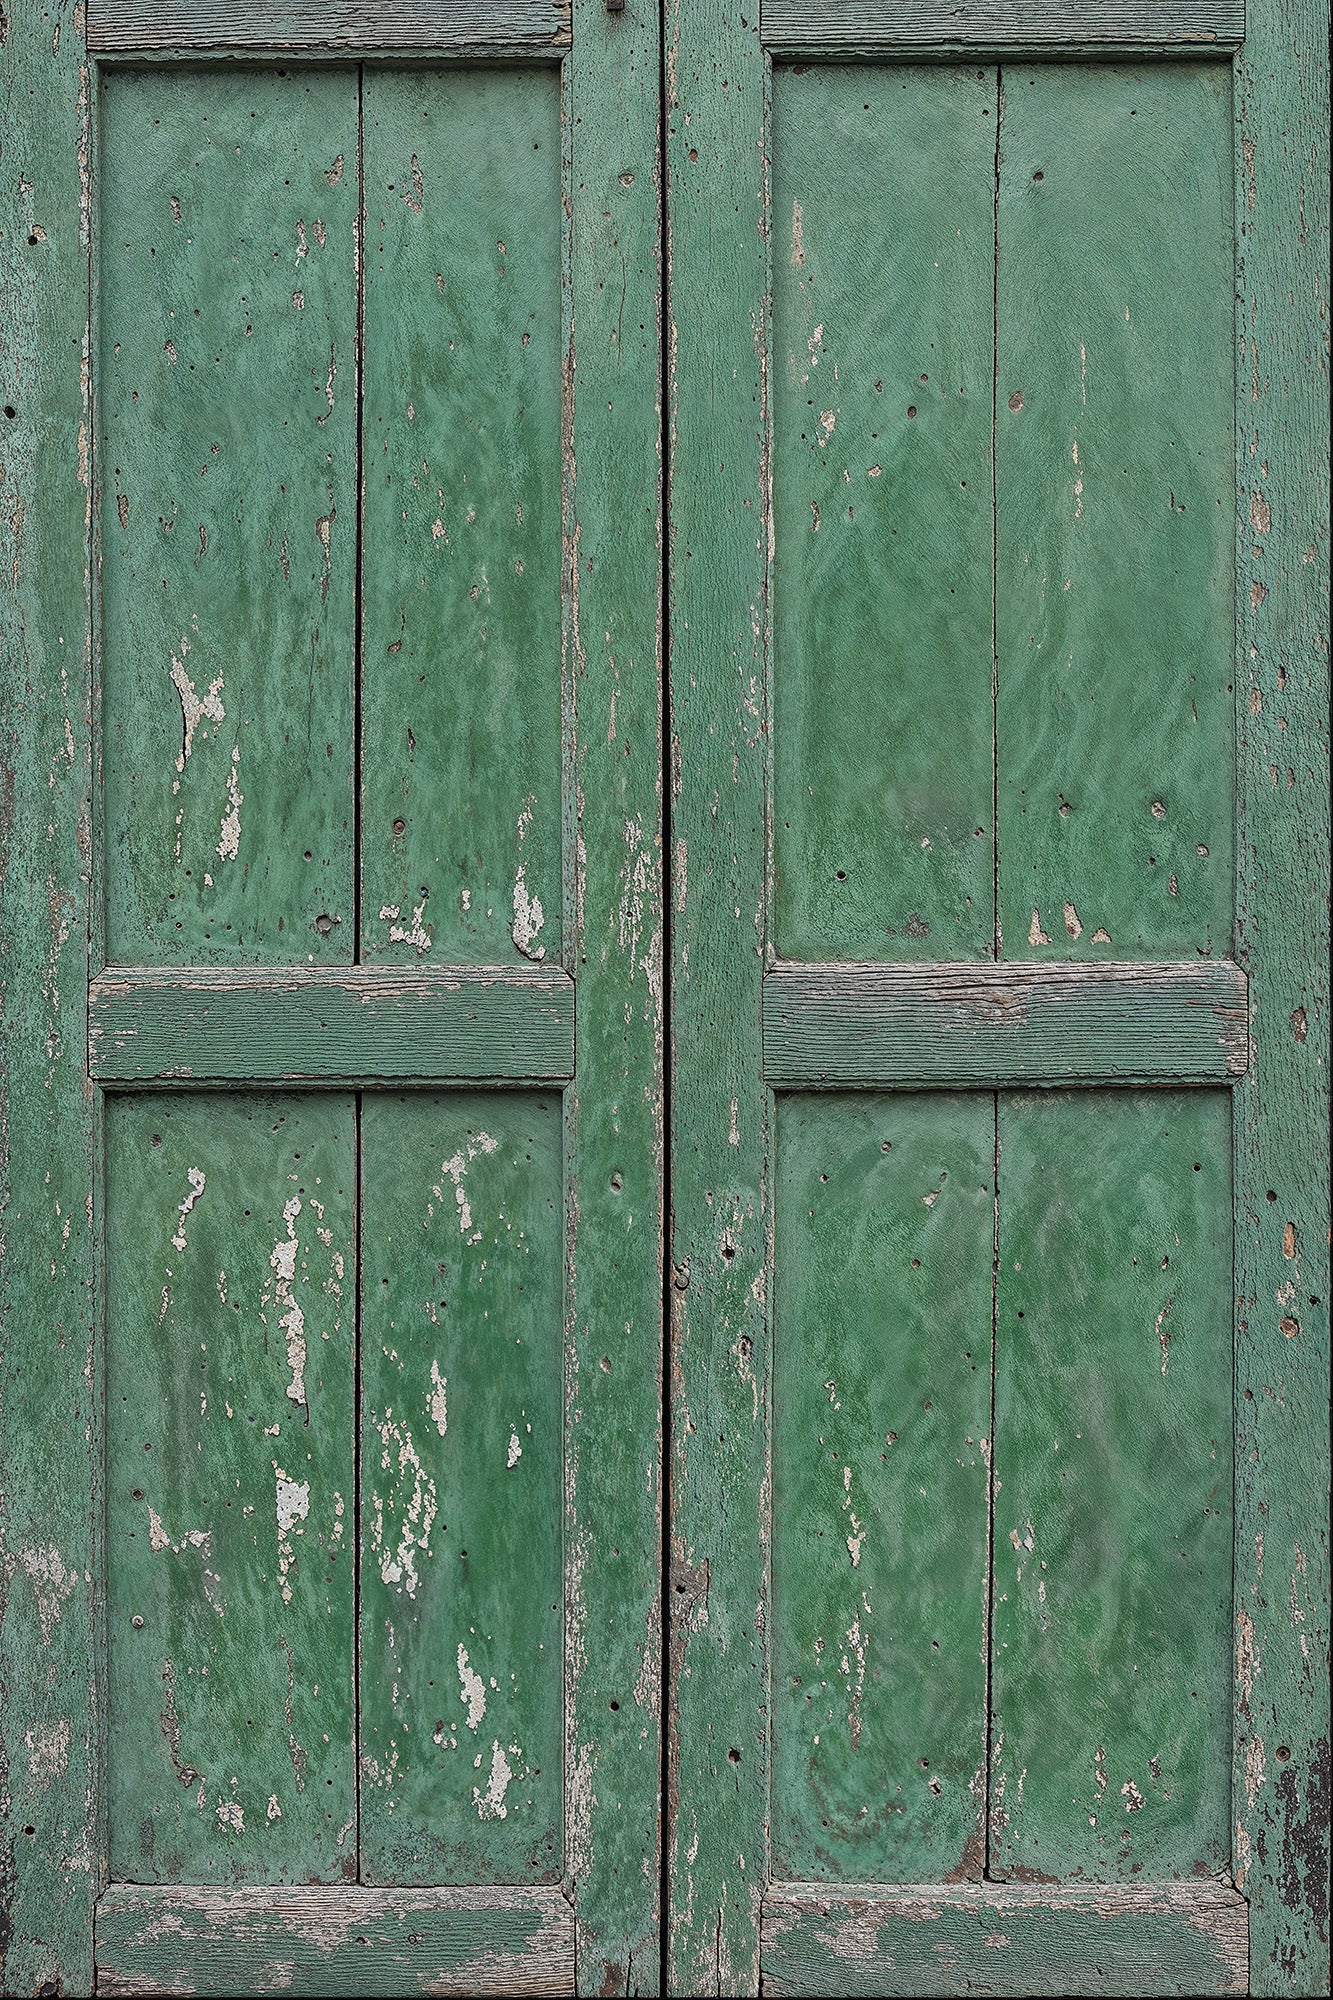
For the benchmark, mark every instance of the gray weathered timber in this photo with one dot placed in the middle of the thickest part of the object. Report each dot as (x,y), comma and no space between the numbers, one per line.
(464,27)
(979,1026)
(51,1822)
(1003,1938)
(369,1022)
(1086,30)
(718,420)
(1281,1767)
(613,926)
(333,1942)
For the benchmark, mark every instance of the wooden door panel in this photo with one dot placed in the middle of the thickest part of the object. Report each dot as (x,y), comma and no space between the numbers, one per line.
(1111,1665)
(1115,511)
(461,1624)
(227,395)
(231,1487)
(463,559)
(882,369)
(883,1243)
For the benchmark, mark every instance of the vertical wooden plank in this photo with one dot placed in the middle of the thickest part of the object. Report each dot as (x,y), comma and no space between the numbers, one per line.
(1113,495)
(1111,1671)
(461,1444)
(883,378)
(717,1779)
(1281,1800)
(461,565)
(883,1242)
(52,1827)
(231,1487)
(614,932)
(227,393)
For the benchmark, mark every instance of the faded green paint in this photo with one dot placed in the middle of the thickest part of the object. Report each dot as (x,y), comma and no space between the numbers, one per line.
(460,683)
(461,1430)
(1111,1672)
(883,1238)
(231,1487)
(1114,613)
(50,1625)
(882,371)
(227,394)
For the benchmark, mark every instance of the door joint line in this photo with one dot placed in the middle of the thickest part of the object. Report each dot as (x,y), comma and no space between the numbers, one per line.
(668,971)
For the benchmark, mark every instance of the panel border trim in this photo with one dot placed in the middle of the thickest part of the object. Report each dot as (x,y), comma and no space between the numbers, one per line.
(1012,30)
(355,27)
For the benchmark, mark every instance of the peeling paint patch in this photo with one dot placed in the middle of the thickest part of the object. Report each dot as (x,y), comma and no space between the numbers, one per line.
(398,1556)
(198,1181)
(473,1689)
(282,1262)
(490,1803)
(292,1504)
(437,1402)
(456,1169)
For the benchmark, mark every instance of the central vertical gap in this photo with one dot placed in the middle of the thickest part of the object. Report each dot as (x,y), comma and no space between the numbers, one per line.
(668,935)
(999,946)
(358,1290)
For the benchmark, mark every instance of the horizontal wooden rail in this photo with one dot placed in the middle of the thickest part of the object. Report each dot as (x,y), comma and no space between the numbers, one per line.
(313,27)
(336,1940)
(364,1024)
(984,1026)
(1010,29)
(1003,1938)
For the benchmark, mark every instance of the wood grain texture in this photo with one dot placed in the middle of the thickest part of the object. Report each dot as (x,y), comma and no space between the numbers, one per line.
(227,399)
(843,1026)
(614,925)
(52,1823)
(461,543)
(1111,1669)
(335,1942)
(883,379)
(717,1735)
(462,1434)
(1282,1783)
(463,27)
(230,1288)
(994,1938)
(1114,590)
(883,1235)
(1083,29)
(368,1022)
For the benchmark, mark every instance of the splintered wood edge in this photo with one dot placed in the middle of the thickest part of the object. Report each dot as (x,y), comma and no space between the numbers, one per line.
(998,1937)
(472,27)
(375,1941)
(1003,28)
(960,1026)
(374,1023)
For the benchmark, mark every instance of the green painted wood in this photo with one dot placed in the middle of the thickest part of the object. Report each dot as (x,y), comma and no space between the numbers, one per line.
(344,1941)
(460,683)
(884,1215)
(52,1825)
(231,1487)
(365,1023)
(1088,30)
(227,395)
(882,382)
(613,926)
(843,1025)
(465,27)
(1281,1805)
(1114,607)
(1186,1938)
(717,1788)
(461,1392)
(1111,1667)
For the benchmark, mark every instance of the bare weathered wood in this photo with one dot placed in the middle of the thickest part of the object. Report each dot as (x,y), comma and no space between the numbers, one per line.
(1005,1938)
(315,1027)
(463,27)
(51,1819)
(1281,1797)
(1079,29)
(334,1941)
(980,1026)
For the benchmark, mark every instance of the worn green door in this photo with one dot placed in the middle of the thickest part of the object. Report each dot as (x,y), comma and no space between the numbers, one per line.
(333,1281)
(998,1463)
